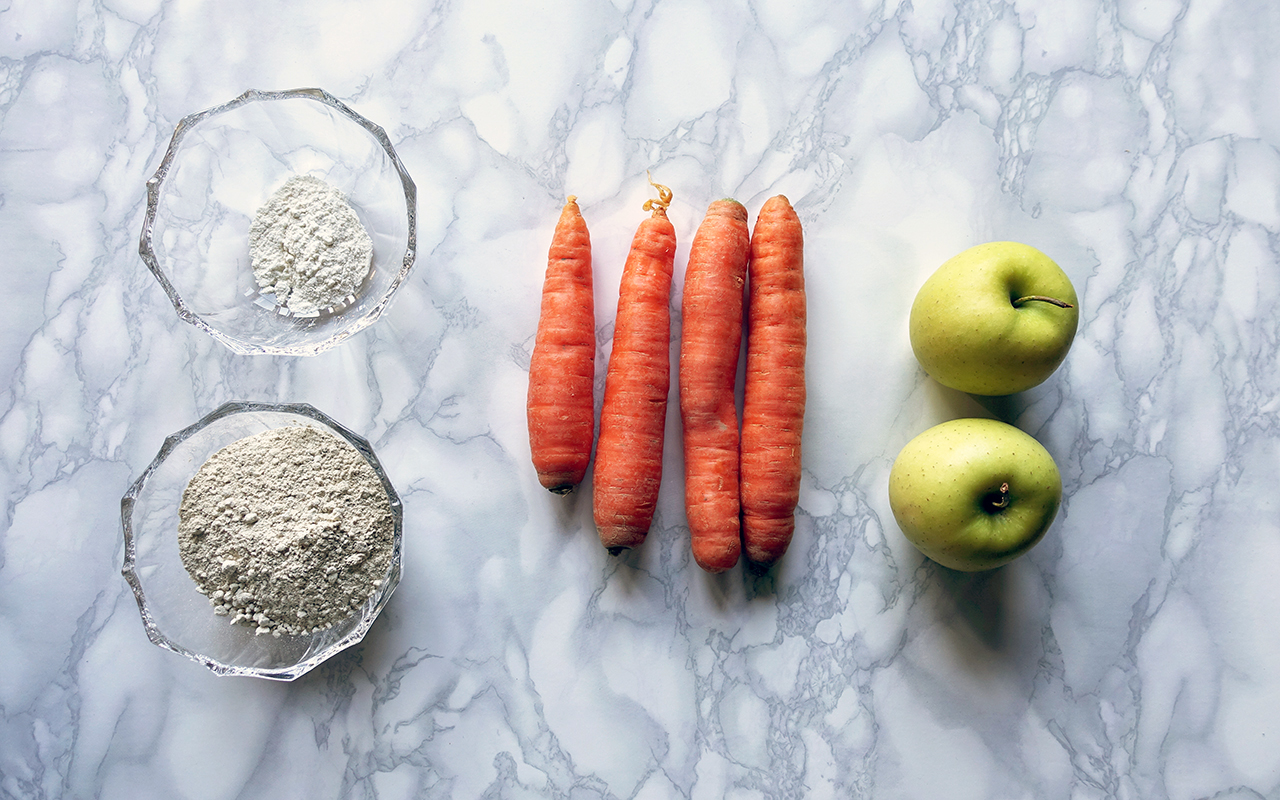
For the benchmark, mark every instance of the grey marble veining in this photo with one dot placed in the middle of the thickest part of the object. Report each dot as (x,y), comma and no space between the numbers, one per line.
(1132,654)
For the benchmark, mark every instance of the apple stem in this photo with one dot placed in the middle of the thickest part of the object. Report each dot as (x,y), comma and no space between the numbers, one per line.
(998,500)
(1043,299)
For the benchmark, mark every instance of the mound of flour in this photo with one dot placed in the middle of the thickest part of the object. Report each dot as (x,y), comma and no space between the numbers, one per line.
(288,531)
(308,247)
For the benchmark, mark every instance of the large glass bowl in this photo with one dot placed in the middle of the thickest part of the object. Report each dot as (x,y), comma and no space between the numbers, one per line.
(222,165)
(176,615)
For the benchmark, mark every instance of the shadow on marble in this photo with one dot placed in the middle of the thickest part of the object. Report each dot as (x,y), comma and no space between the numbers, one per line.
(760,582)
(943,403)
(980,600)
(995,619)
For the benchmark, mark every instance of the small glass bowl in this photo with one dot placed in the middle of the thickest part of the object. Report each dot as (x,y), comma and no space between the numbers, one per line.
(176,615)
(222,165)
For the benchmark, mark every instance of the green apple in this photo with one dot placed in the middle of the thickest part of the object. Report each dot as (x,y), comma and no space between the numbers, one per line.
(973,494)
(994,320)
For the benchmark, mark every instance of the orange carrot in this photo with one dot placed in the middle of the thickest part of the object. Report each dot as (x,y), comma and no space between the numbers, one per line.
(711,334)
(561,406)
(774,395)
(628,468)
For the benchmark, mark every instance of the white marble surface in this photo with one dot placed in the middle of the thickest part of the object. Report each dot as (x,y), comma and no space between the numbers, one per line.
(1133,654)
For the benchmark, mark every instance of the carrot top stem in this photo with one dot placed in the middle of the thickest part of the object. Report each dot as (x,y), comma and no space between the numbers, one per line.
(659,206)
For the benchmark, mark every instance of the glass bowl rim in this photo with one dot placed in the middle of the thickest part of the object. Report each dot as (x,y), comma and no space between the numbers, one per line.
(171,443)
(156,181)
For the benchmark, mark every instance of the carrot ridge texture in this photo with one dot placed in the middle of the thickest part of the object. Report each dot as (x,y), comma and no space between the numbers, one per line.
(774,393)
(628,467)
(561,405)
(711,335)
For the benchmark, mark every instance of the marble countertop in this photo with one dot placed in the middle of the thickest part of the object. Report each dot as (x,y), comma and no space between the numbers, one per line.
(1132,654)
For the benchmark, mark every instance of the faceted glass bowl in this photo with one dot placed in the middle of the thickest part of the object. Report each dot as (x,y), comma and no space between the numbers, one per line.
(222,165)
(175,614)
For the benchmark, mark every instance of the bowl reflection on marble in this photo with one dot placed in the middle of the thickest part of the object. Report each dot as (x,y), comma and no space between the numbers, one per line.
(175,614)
(222,165)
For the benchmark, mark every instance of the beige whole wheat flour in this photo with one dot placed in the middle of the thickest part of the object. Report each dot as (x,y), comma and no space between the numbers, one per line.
(308,247)
(288,531)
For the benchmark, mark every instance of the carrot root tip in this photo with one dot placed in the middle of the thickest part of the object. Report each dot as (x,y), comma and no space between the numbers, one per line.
(714,569)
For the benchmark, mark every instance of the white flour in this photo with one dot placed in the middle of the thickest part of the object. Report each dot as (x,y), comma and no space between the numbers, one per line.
(308,247)
(288,531)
